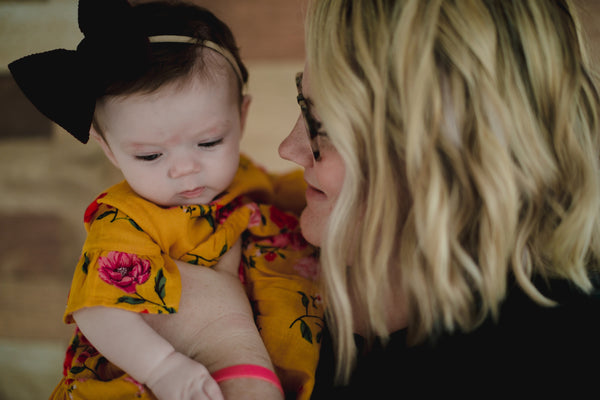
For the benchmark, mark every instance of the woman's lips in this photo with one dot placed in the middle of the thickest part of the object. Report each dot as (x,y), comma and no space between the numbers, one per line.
(312,193)
(190,194)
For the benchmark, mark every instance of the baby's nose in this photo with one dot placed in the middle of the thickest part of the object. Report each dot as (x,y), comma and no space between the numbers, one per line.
(182,166)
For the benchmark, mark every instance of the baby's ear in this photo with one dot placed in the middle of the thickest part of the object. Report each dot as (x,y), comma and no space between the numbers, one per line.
(104,145)
(244,110)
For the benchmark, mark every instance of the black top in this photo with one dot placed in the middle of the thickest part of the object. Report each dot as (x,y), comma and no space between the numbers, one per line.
(531,349)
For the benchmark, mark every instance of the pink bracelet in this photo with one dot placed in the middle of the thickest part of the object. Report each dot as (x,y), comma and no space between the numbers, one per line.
(247,371)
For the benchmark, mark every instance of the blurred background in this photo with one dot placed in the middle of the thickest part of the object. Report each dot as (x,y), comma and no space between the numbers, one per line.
(47,178)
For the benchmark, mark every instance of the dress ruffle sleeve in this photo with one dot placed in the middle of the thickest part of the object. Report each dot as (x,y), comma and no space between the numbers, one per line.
(121,266)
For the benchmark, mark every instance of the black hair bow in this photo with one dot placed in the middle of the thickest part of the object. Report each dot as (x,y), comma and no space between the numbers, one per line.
(65,84)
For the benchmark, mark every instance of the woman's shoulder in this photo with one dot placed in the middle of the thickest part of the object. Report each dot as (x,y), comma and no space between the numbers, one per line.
(530,332)
(573,309)
(522,349)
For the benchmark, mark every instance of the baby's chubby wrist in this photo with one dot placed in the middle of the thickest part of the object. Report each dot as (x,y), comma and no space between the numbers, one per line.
(164,366)
(180,377)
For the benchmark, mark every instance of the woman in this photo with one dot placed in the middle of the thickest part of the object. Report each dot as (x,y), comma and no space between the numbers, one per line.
(451,154)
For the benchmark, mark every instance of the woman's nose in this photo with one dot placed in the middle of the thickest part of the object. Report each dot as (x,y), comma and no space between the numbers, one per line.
(183,165)
(296,147)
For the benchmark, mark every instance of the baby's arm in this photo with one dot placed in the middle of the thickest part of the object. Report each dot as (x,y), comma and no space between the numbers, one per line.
(129,342)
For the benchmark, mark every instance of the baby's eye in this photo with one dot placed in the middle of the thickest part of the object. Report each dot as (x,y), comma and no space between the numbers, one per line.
(149,157)
(210,144)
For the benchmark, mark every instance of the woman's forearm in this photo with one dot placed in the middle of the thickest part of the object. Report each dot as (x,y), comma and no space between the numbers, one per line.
(215,326)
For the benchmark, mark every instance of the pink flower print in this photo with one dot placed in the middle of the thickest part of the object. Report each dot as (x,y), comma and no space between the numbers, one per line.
(124,270)
(291,240)
(141,388)
(282,219)
(88,353)
(242,273)
(69,359)
(92,208)
(317,300)
(256,216)
(270,256)
(223,212)
(308,267)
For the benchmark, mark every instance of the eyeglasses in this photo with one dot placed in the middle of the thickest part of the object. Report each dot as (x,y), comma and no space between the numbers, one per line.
(312,124)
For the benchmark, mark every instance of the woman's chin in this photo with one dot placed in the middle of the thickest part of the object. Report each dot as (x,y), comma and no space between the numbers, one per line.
(312,227)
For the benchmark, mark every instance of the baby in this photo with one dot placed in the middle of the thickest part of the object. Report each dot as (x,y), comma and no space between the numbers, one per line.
(160,86)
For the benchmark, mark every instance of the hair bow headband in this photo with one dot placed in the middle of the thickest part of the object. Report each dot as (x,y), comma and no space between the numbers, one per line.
(64,84)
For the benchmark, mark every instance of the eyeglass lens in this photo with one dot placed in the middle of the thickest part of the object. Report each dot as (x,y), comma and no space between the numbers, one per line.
(309,120)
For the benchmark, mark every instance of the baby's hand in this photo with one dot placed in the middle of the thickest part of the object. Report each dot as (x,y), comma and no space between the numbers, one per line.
(179,377)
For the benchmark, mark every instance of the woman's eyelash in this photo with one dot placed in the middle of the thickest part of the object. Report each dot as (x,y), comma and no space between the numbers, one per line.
(319,127)
(149,157)
(211,144)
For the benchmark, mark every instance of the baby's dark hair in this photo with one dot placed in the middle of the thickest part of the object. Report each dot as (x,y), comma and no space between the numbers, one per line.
(120,55)
(167,61)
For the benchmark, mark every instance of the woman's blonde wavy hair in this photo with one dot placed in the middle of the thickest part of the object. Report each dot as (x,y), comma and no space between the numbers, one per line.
(469,133)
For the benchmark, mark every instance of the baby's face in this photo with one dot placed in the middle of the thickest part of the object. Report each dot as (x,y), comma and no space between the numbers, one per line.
(179,145)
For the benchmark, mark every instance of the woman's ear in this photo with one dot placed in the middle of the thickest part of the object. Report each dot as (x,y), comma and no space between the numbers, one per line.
(105,147)
(244,110)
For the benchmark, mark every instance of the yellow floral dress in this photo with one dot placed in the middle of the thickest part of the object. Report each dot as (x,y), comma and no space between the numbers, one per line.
(127,262)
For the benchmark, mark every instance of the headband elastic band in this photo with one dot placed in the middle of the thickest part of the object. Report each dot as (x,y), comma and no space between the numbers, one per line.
(207,43)
(172,39)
